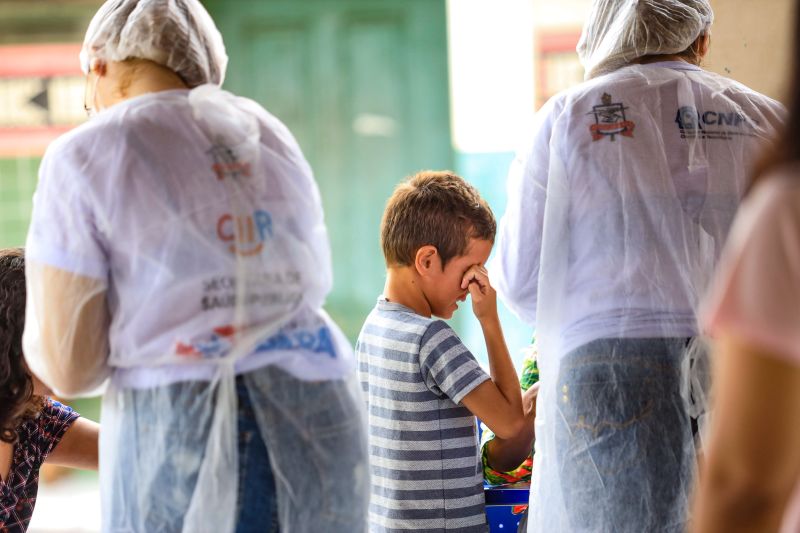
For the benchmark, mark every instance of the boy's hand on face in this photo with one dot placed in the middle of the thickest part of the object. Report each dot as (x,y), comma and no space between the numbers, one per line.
(484,297)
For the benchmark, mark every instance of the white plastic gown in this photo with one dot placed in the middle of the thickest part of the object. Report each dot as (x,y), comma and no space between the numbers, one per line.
(178,240)
(617,213)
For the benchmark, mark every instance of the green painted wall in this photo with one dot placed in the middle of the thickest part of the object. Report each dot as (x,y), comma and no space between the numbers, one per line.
(17,183)
(363,86)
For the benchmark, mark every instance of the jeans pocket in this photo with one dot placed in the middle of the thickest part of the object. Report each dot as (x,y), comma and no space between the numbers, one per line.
(621,437)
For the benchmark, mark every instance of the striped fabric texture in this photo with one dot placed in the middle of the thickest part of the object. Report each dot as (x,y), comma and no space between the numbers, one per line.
(426,472)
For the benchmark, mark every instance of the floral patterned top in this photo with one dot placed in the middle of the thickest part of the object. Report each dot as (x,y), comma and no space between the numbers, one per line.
(37,438)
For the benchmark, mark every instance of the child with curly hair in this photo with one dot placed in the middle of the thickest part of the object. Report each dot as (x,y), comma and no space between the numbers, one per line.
(33,428)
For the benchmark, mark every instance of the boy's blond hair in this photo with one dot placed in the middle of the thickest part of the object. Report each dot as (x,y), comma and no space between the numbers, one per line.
(435,208)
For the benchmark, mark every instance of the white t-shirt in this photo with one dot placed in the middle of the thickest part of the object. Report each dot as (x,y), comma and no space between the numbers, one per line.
(637,175)
(140,199)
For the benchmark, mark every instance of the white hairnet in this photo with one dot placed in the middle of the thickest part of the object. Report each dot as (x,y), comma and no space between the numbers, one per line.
(620,31)
(178,34)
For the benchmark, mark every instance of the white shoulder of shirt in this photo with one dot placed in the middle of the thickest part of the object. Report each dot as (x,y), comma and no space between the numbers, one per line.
(113,123)
(623,80)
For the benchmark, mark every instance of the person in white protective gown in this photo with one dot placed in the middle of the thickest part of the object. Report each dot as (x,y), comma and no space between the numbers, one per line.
(617,212)
(178,256)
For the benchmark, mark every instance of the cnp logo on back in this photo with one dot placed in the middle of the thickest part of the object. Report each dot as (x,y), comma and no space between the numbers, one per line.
(724,125)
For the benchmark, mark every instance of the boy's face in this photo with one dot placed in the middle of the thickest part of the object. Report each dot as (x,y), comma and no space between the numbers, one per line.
(443,287)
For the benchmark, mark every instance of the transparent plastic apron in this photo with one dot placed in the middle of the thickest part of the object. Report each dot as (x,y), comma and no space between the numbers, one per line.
(691,246)
(211,502)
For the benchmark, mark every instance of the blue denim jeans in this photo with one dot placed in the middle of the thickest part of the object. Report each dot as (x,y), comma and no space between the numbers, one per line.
(624,438)
(303,459)
(256,504)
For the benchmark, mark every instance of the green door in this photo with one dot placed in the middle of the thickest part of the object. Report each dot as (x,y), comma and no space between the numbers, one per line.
(363,86)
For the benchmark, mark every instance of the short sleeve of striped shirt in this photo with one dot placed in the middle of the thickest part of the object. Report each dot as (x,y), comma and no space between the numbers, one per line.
(447,366)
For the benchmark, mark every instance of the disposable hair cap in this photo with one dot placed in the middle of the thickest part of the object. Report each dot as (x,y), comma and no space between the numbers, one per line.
(178,34)
(620,31)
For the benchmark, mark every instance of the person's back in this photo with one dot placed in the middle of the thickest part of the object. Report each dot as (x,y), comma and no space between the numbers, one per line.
(657,197)
(423,388)
(155,211)
(616,216)
(178,248)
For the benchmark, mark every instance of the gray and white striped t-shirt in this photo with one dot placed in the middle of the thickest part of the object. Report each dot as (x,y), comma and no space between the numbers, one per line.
(426,473)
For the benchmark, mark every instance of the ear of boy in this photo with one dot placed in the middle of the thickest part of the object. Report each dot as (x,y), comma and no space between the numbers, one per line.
(426,260)
(405,284)
(427,264)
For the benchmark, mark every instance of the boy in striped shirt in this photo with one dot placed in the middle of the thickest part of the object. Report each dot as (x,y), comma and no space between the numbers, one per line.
(422,385)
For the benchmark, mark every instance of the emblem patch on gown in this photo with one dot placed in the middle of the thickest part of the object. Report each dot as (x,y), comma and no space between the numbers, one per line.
(227,164)
(696,123)
(610,120)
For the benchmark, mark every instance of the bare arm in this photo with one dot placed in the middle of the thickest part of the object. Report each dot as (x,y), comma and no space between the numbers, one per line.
(498,401)
(753,459)
(66,331)
(505,455)
(78,446)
